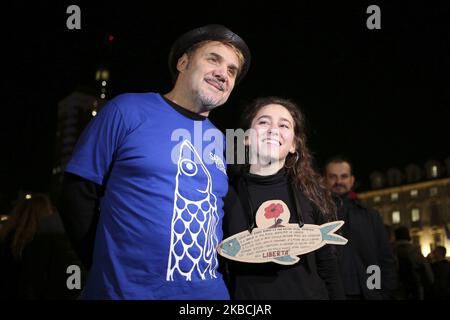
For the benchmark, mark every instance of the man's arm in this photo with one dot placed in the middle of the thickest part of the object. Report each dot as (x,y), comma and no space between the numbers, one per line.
(79,210)
(386,257)
(328,270)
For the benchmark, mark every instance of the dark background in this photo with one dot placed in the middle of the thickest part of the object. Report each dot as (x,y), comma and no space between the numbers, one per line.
(381,97)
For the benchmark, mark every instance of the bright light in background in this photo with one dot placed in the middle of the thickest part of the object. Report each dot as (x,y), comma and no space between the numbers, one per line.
(94,113)
(102,96)
(426,249)
(103,83)
(110,37)
(425,242)
(28,196)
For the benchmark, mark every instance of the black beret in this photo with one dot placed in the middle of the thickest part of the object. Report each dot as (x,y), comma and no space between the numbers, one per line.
(212,32)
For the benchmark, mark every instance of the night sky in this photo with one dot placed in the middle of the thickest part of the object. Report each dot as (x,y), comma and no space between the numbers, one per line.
(381,97)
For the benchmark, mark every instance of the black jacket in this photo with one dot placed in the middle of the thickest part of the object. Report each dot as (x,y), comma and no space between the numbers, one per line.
(415,276)
(441,286)
(367,245)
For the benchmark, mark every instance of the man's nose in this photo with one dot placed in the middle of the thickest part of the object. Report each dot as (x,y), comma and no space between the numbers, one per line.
(220,73)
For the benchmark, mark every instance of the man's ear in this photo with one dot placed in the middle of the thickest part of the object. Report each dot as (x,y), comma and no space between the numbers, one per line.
(352,180)
(182,62)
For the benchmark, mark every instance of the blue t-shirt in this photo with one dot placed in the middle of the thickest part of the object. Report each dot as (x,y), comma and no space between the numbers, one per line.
(161,214)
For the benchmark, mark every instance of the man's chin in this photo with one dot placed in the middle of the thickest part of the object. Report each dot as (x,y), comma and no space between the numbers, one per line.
(210,107)
(340,192)
(210,104)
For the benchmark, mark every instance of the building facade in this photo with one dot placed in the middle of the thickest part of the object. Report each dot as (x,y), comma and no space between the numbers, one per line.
(423,206)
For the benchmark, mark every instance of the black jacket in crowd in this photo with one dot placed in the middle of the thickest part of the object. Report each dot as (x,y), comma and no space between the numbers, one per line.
(368,245)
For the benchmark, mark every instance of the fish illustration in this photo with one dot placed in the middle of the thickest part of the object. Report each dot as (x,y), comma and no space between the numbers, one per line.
(280,245)
(194,221)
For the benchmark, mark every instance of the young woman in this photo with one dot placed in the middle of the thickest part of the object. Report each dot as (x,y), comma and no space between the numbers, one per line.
(281,182)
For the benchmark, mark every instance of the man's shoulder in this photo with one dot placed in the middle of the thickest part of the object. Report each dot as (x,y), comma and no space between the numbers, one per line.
(134,100)
(360,206)
(358,203)
(134,106)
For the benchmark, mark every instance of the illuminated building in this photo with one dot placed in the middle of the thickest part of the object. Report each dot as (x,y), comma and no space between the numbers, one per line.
(415,198)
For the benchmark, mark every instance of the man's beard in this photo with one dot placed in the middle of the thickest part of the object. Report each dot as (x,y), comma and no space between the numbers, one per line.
(207,103)
(342,191)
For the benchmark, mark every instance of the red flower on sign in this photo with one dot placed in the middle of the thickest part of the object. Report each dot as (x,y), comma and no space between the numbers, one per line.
(273,211)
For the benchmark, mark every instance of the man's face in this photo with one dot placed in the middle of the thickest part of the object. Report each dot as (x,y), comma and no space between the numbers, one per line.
(338,177)
(209,74)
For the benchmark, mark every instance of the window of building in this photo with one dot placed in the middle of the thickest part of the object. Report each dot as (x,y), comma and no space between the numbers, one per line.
(105,75)
(414,193)
(376,199)
(415,214)
(433,191)
(57,170)
(394,196)
(395,216)
(434,171)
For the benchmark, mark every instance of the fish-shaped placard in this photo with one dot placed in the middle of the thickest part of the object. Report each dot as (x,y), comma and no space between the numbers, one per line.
(280,245)
(277,241)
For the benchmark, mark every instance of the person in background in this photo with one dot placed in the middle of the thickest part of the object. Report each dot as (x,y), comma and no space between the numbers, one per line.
(415,276)
(441,271)
(367,238)
(35,253)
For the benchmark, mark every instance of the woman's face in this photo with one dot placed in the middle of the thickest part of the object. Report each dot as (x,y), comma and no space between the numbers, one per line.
(274,128)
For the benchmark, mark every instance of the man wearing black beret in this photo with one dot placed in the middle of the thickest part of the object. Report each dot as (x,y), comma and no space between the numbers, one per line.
(143,187)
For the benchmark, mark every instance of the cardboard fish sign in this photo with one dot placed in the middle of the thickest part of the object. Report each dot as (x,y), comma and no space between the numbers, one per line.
(277,241)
